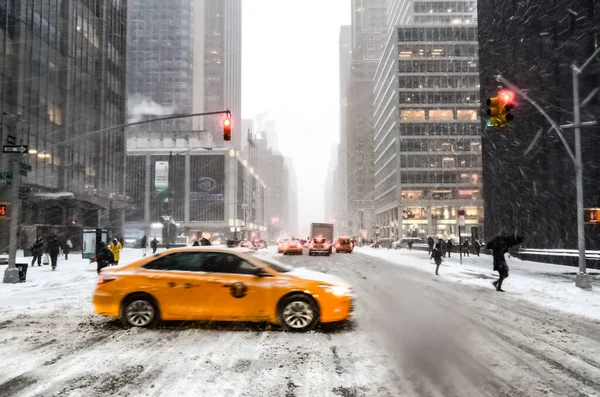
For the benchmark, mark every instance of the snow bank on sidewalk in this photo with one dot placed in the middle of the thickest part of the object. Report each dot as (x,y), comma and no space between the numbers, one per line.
(549,285)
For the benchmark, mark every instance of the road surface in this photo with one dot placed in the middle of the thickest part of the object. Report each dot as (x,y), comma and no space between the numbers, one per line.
(413,334)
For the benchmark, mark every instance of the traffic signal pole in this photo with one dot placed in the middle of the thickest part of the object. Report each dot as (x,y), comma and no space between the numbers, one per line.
(582,279)
(11,274)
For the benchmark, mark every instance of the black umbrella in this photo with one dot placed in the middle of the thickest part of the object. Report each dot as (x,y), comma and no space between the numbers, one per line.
(508,240)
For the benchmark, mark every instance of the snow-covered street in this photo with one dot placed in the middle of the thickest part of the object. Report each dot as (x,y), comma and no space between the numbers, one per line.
(413,334)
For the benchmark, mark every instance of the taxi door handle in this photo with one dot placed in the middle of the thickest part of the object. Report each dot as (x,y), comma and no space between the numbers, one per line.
(190,285)
(171,284)
(226,285)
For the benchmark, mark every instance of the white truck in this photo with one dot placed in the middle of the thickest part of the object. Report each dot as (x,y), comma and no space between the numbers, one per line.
(321,239)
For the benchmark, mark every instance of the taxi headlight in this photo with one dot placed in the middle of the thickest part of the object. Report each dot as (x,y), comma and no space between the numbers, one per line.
(336,290)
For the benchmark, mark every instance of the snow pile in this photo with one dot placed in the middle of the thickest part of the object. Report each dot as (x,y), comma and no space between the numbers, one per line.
(549,285)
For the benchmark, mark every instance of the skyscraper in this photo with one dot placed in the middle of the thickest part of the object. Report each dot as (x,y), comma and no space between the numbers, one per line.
(184,57)
(533,192)
(426,134)
(63,74)
(368,38)
(340,204)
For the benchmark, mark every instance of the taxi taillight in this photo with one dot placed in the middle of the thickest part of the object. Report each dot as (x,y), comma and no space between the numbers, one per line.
(105,279)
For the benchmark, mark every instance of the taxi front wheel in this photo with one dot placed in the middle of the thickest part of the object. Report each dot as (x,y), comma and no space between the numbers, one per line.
(298,313)
(139,310)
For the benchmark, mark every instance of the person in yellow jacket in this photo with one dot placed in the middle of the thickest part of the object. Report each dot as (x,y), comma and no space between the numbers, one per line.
(115,247)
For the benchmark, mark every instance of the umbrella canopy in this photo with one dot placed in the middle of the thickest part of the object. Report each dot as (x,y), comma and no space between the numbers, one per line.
(507,240)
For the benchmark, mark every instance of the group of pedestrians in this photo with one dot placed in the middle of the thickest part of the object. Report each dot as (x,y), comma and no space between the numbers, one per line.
(48,252)
(447,246)
(499,246)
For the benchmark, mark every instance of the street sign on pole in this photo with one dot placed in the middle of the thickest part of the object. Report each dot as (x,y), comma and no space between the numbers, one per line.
(22,172)
(11,140)
(5,179)
(25,167)
(17,149)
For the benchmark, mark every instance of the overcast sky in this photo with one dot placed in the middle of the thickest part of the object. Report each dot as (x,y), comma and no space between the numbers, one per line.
(290,71)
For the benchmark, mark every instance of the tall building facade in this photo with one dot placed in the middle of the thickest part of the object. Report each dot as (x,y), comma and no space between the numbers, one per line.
(185,57)
(63,74)
(340,182)
(534,193)
(427,142)
(368,38)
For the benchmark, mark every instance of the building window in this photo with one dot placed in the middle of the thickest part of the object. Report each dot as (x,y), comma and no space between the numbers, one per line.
(445,114)
(448,162)
(413,115)
(55,114)
(466,114)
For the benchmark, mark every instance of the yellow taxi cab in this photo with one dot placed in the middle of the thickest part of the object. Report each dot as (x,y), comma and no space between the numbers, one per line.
(213,284)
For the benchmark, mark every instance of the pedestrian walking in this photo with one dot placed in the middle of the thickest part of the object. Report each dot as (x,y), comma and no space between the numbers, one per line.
(115,247)
(154,245)
(144,244)
(430,243)
(410,244)
(53,250)
(437,258)
(466,248)
(205,242)
(37,249)
(66,248)
(104,256)
(476,246)
(449,246)
(196,244)
(499,246)
(443,247)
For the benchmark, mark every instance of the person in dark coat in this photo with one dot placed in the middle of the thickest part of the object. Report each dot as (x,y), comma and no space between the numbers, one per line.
(442,244)
(449,246)
(466,248)
(144,244)
(410,244)
(154,245)
(37,250)
(196,244)
(66,248)
(437,258)
(53,250)
(104,256)
(476,246)
(205,242)
(430,243)
(499,248)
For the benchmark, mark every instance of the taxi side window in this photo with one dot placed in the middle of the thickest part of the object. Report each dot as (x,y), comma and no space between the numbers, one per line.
(179,261)
(218,262)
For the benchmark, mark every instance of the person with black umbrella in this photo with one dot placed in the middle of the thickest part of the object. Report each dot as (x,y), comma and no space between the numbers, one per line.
(499,246)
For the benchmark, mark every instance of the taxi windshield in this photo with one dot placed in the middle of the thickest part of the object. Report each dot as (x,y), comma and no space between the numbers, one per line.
(273,264)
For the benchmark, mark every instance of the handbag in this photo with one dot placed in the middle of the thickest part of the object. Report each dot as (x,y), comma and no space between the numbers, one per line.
(46,259)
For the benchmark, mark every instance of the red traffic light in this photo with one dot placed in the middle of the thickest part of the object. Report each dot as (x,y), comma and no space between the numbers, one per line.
(506,96)
(227,129)
(3,210)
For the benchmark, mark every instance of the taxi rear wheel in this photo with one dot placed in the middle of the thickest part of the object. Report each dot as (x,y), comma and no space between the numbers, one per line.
(298,313)
(139,310)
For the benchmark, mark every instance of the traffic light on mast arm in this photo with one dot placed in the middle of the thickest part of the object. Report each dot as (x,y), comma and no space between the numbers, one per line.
(500,107)
(227,128)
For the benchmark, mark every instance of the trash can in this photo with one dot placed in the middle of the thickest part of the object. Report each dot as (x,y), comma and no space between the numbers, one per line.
(22,271)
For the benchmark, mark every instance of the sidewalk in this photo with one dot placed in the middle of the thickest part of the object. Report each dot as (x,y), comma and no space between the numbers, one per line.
(549,285)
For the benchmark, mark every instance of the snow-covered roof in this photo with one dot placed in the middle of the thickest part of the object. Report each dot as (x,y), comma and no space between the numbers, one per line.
(53,196)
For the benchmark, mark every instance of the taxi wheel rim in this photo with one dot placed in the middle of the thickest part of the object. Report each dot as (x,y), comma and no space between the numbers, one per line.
(139,313)
(298,314)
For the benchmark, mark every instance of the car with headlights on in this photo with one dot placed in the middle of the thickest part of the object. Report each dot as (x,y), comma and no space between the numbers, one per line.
(292,247)
(319,246)
(344,244)
(220,284)
(281,245)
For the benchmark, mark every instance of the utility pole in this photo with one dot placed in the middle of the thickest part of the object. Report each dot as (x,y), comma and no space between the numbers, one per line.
(11,274)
